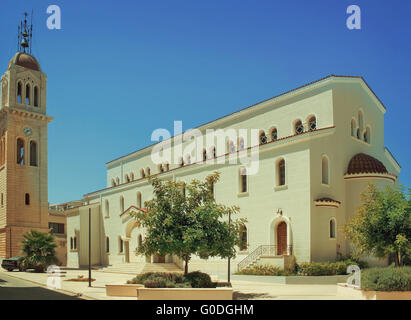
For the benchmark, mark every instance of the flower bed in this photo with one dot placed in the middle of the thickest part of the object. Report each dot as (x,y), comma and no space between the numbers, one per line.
(173,280)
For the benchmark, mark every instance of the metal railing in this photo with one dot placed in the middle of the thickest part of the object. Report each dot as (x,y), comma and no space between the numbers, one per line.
(261,251)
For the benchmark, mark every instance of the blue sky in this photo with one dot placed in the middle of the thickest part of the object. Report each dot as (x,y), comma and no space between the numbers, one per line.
(117,70)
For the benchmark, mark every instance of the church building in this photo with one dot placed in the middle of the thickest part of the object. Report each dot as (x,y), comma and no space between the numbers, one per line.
(319,146)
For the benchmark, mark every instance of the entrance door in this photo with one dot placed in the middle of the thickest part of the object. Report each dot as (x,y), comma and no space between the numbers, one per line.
(159,259)
(282,239)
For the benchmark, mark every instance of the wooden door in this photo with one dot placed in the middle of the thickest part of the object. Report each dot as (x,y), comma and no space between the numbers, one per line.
(282,239)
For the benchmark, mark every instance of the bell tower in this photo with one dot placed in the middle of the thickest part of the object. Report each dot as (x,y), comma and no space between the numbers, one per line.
(23,147)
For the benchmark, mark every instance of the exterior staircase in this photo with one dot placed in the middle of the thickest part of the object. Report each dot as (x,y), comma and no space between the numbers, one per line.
(266,254)
(134,268)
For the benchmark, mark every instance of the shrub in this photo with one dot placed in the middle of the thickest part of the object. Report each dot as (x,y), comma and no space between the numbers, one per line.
(330,268)
(199,279)
(173,280)
(386,279)
(159,282)
(141,278)
(263,270)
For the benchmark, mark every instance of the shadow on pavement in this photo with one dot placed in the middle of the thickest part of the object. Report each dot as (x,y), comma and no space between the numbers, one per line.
(32,293)
(250,296)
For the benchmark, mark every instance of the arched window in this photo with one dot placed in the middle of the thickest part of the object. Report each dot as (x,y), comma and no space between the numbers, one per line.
(332,228)
(120,245)
(142,173)
(188,159)
(298,127)
(353,127)
(160,168)
(262,137)
(132,176)
(139,200)
(107,208)
(204,155)
(180,161)
(122,204)
(243,180)
(33,153)
(325,170)
(281,172)
(117,181)
(167,166)
(140,241)
(113,183)
(241,145)
(20,151)
(107,245)
(19,92)
(27,199)
(367,135)
(36,96)
(27,94)
(273,134)
(148,171)
(127,178)
(312,123)
(360,120)
(231,147)
(75,243)
(243,238)
(213,152)
(358,133)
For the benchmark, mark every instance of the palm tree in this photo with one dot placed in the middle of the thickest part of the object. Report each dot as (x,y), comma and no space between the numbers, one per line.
(39,250)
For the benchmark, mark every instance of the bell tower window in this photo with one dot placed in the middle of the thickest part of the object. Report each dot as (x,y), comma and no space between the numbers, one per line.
(36,96)
(27,94)
(19,93)
(33,154)
(20,151)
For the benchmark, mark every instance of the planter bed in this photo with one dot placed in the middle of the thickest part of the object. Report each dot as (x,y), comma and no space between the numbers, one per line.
(184,293)
(347,290)
(122,290)
(293,279)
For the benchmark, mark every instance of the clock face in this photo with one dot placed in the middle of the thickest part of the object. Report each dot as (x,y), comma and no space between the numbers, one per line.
(27,131)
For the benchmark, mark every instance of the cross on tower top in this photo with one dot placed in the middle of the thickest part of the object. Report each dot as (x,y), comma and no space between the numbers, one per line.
(25,34)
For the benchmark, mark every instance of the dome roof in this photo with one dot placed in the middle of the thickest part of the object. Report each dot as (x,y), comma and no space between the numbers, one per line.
(25,60)
(363,163)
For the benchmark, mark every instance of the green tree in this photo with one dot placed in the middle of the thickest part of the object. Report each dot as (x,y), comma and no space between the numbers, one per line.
(382,224)
(39,250)
(185,219)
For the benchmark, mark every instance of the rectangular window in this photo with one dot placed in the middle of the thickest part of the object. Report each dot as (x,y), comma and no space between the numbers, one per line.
(56,227)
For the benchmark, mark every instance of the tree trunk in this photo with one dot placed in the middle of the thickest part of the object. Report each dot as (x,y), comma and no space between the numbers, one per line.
(186,258)
(399,259)
(396,259)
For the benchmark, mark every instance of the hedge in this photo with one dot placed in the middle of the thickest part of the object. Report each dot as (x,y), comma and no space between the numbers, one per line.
(386,279)
(173,280)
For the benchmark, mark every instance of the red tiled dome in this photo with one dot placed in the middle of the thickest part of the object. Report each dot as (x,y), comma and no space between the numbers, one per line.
(25,60)
(363,163)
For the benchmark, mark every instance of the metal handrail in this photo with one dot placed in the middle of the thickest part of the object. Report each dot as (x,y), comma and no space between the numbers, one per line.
(263,250)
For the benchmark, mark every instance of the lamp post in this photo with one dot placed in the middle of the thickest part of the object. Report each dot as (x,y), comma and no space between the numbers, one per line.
(89,247)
